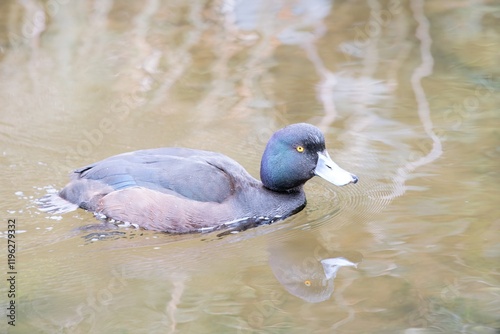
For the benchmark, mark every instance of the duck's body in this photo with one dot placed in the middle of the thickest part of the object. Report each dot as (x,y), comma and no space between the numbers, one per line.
(175,190)
(180,190)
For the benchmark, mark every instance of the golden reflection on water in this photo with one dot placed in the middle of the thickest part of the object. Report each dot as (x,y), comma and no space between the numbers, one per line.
(405,91)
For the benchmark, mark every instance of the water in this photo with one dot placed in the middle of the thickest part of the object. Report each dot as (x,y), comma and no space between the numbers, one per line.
(407,94)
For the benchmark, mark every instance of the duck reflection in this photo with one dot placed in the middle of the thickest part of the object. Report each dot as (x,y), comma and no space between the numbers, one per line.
(306,269)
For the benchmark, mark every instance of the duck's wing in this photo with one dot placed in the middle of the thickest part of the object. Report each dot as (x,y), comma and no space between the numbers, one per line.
(198,175)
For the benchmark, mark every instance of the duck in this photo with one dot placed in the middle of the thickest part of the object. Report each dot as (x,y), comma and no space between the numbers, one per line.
(182,190)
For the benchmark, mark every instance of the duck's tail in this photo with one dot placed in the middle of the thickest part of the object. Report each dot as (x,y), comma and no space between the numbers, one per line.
(55,204)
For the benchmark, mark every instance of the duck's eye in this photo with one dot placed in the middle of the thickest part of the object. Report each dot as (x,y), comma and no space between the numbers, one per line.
(307,283)
(300,149)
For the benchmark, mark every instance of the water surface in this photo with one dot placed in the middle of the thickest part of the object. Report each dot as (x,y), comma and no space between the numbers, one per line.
(406,92)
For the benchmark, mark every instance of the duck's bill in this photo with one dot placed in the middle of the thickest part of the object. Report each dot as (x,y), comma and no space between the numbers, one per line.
(330,171)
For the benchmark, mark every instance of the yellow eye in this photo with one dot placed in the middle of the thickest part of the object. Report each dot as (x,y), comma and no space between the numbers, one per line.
(300,149)
(307,283)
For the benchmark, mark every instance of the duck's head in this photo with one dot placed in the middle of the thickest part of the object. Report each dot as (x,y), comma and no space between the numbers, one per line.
(295,154)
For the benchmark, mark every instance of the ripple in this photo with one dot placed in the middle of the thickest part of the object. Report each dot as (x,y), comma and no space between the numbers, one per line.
(345,205)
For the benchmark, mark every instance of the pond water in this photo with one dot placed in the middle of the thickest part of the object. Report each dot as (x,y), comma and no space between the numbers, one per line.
(406,92)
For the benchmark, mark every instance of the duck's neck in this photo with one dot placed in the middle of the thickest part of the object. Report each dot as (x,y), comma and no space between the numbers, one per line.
(274,204)
(274,177)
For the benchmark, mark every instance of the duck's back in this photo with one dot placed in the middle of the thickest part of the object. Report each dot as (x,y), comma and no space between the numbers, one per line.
(194,174)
